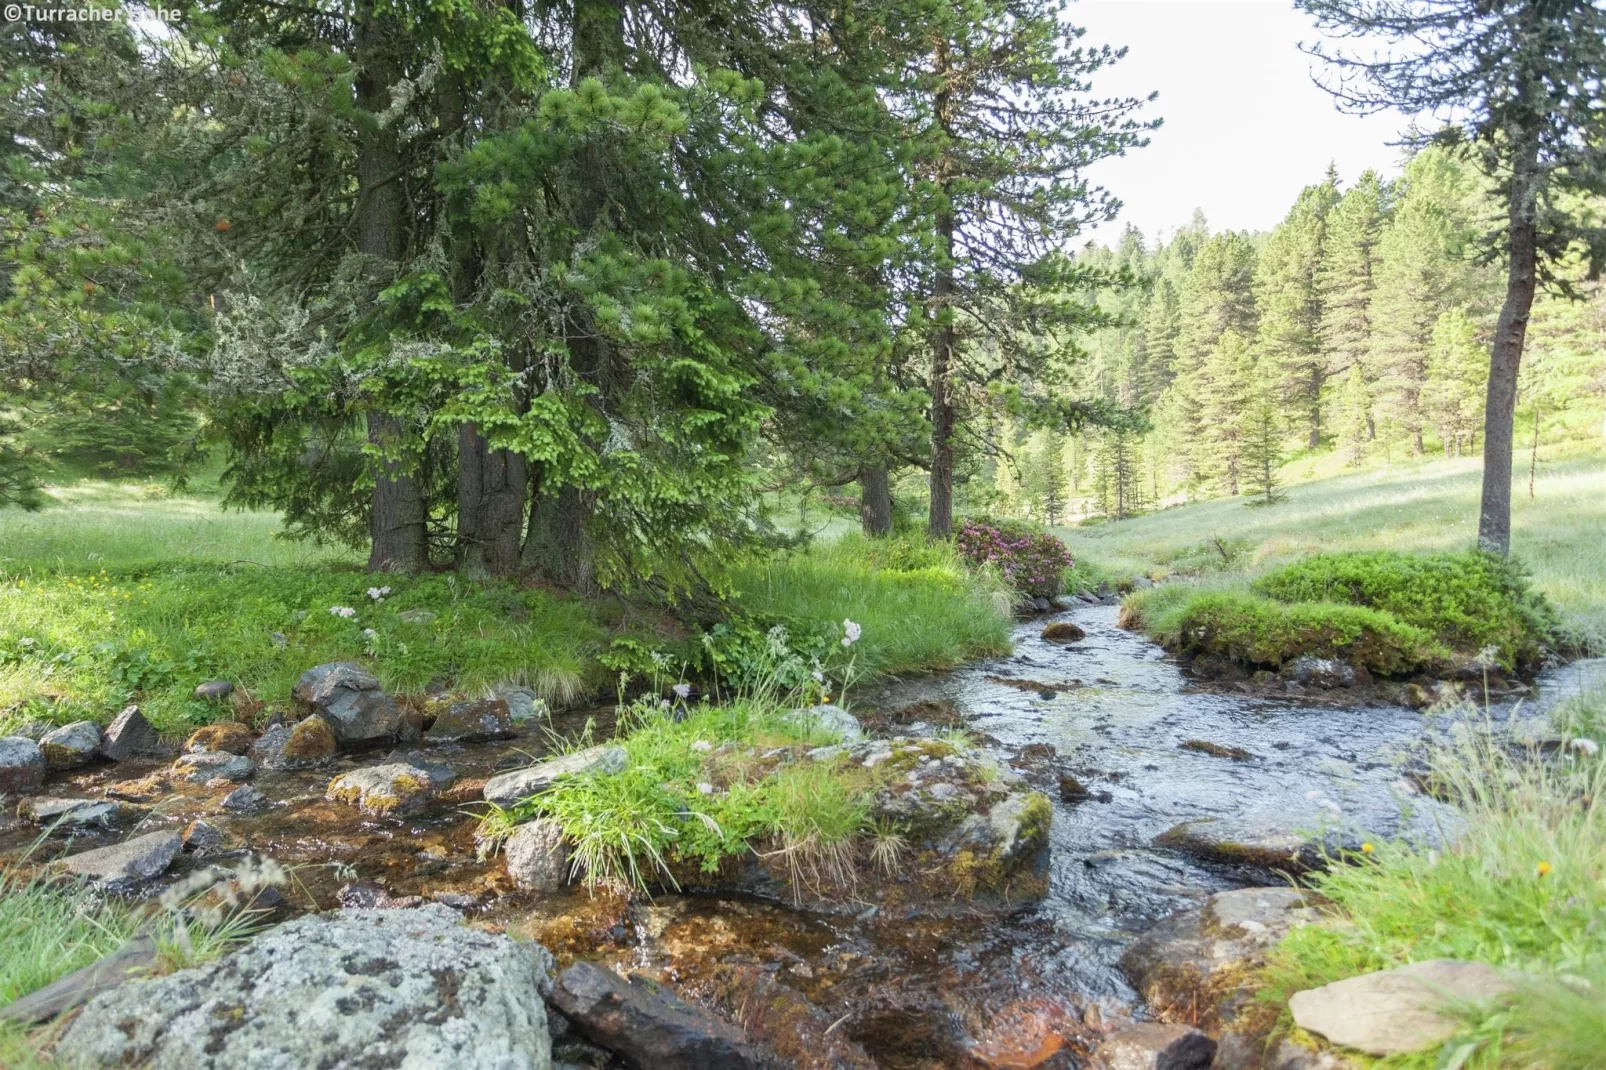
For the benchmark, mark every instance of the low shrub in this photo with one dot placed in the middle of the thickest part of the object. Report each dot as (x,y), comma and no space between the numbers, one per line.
(1260,632)
(1469,601)
(1031,561)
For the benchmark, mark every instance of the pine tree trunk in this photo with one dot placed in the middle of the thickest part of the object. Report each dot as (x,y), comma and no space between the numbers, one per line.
(491,486)
(875,500)
(940,522)
(1505,359)
(397,523)
(1316,380)
(558,544)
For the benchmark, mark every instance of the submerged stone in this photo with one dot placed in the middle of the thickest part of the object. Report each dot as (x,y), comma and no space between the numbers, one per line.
(410,990)
(648,1024)
(124,865)
(213,765)
(398,789)
(1153,1046)
(1258,841)
(1063,631)
(74,815)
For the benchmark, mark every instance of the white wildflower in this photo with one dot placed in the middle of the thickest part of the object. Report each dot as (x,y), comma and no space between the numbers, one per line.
(705,787)
(851,632)
(345,612)
(369,633)
(819,677)
(682,690)
(378,593)
(1587,747)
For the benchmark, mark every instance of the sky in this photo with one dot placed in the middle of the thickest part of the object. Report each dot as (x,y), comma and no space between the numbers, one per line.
(1245,127)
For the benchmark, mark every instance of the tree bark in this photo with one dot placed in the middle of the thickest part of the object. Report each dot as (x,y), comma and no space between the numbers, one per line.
(1505,359)
(558,545)
(398,521)
(940,520)
(1316,380)
(491,486)
(875,500)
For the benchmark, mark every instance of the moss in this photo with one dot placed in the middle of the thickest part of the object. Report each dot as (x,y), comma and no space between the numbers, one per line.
(231,736)
(1216,750)
(310,740)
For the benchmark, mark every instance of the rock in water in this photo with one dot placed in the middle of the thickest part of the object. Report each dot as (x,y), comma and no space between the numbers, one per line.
(829,718)
(537,857)
(213,765)
(398,789)
(1325,673)
(509,788)
(1151,1046)
(1399,1011)
(73,815)
(128,734)
(231,736)
(351,700)
(408,989)
(1258,840)
(1063,631)
(22,766)
(648,1024)
(71,745)
(124,865)
(471,722)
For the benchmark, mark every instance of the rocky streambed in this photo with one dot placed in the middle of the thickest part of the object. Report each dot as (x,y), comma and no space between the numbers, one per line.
(1164,792)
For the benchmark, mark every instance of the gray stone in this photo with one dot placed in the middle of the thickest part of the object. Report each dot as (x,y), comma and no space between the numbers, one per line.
(268,748)
(202,836)
(471,721)
(214,690)
(123,865)
(351,700)
(509,788)
(397,789)
(213,765)
(137,957)
(537,857)
(74,815)
(71,745)
(244,800)
(648,1024)
(1152,1046)
(1178,966)
(1325,673)
(829,718)
(128,734)
(1262,841)
(1065,601)
(401,989)
(522,703)
(417,615)
(22,766)
(1398,1011)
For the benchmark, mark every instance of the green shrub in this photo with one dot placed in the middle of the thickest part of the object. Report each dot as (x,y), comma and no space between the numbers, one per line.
(1032,560)
(1469,601)
(1256,631)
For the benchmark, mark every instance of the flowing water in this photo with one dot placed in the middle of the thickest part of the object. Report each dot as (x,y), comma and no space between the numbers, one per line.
(955,992)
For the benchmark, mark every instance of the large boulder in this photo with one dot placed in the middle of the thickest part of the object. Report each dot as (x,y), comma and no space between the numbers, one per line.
(403,989)
(121,866)
(22,766)
(514,787)
(349,698)
(71,745)
(1191,966)
(648,1024)
(396,789)
(1399,1011)
(128,734)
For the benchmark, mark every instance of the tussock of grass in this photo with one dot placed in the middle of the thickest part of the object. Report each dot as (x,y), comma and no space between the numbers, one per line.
(920,607)
(1520,886)
(49,929)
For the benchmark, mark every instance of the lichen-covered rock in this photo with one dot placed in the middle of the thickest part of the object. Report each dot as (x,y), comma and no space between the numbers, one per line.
(537,856)
(648,1024)
(310,741)
(408,990)
(128,734)
(71,745)
(522,703)
(22,766)
(828,718)
(1324,673)
(470,721)
(510,788)
(74,815)
(1193,966)
(1153,1046)
(350,699)
(397,789)
(123,865)
(231,736)
(213,765)
(244,800)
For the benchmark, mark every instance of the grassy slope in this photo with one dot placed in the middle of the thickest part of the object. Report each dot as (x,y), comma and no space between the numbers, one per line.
(1428,506)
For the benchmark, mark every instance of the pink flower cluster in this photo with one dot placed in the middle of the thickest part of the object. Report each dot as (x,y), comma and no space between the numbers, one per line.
(1030,560)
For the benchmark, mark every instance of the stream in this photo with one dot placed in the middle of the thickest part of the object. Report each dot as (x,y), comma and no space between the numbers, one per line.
(1022,991)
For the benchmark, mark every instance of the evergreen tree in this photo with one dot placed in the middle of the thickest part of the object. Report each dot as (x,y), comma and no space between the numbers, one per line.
(1262,445)
(1355,422)
(1346,278)
(1225,387)
(1288,297)
(1457,370)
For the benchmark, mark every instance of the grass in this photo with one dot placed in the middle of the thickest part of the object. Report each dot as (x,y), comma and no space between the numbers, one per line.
(1429,506)
(1521,886)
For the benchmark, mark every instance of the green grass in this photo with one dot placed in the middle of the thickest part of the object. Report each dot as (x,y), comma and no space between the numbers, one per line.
(48,930)
(1522,886)
(1420,507)
(920,608)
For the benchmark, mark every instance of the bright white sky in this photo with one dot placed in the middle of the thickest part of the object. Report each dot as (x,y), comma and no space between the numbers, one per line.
(1245,126)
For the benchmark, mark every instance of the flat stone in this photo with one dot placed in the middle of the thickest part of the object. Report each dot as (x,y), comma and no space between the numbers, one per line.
(213,765)
(401,989)
(231,736)
(73,814)
(514,787)
(133,959)
(828,718)
(648,1024)
(537,857)
(71,745)
(22,766)
(244,800)
(398,789)
(128,734)
(1153,1046)
(213,690)
(350,699)
(474,721)
(123,865)
(1398,1011)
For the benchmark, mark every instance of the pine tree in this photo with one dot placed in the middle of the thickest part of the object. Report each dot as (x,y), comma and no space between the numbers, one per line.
(1289,300)
(1262,445)
(1226,385)
(1355,422)
(1345,280)
(1054,476)
(1457,374)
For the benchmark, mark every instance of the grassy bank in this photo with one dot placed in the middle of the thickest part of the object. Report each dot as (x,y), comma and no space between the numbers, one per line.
(1521,888)
(122,592)
(1430,506)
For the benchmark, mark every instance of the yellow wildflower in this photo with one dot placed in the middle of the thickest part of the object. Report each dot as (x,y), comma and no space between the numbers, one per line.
(1367,848)
(1543,867)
